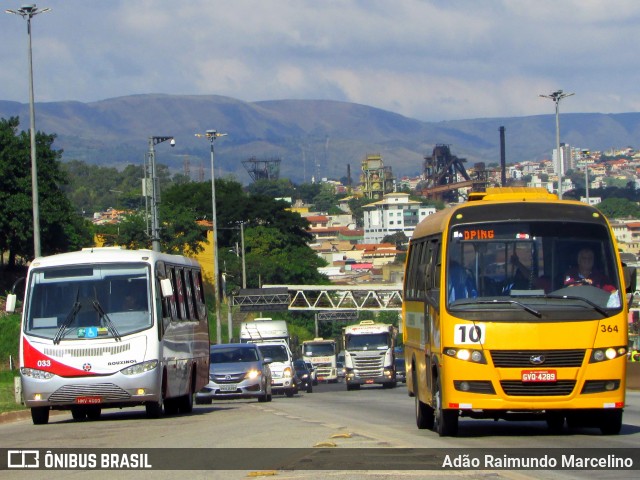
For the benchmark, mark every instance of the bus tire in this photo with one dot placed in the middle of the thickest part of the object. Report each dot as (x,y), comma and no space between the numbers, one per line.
(154,409)
(78,413)
(94,412)
(40,415)
(555,421)
(424,415)
(611,422)
(185,403)
(171,406)
(445,420)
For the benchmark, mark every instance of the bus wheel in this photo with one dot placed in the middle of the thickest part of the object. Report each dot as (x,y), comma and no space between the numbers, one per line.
(78,413)
(40,415)
(424,414)
(154,409)
(555,421)
(185,403)
(610,422)
(171,406)
(445,420)
(94,412)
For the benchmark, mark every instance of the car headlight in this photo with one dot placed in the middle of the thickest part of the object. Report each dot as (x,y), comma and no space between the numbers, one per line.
(251,374)
(140,367)
(38,374)
(286,373)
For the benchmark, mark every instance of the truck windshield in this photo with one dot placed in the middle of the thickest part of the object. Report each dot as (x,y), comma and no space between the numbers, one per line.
(278,353)
(88,302)
(369,341)
(318,349)
(527,260)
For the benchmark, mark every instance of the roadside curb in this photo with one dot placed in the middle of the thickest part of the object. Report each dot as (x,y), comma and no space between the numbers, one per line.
(6,417)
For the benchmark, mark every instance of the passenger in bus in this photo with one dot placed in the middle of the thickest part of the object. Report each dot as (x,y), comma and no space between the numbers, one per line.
(461,282)
(585,273)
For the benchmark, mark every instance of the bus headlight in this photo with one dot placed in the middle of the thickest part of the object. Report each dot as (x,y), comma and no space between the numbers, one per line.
(611,353)
(38,374)
(465,354)
(140,367)
(287,372)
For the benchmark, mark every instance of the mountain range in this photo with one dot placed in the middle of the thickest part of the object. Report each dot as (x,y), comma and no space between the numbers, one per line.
(311,138)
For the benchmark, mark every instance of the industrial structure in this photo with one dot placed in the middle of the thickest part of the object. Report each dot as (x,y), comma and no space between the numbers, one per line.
(444,175)
(376,179)
(262,169)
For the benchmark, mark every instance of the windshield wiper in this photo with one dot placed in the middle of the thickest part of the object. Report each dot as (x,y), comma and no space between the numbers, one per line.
(595,306)
(75,308)
(512,302)
(110,325)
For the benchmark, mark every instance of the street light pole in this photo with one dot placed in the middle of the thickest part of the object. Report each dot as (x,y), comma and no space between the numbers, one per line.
(155,191)
(27,12)
(212,135)
(556,97)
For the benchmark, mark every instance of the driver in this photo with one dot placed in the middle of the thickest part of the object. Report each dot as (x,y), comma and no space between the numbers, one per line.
(584,273)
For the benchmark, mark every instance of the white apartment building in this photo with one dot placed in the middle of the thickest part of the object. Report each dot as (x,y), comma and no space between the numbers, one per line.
(394,213)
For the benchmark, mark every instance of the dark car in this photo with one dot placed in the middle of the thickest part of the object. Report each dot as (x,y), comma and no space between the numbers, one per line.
(401,370)
(237,370)
(303,376)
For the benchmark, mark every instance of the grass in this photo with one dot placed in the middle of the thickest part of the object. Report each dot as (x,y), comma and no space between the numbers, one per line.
(7,398)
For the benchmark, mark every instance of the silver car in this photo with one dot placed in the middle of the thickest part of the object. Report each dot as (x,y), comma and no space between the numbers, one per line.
(237,370)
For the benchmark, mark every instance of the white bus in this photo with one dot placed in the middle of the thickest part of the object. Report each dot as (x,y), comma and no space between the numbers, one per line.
(108,327)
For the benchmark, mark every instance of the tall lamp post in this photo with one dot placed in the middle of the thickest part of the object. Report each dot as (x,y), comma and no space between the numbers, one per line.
(556,97)
(155,191)
(27,12)
(212,135)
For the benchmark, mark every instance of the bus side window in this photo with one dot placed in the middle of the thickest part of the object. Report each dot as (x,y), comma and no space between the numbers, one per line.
(172,299)
(190,294)
(417,275)
(179,295)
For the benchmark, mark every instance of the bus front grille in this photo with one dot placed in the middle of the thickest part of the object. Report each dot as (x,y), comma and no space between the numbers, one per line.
(107,391)
(517,388)
(526,358)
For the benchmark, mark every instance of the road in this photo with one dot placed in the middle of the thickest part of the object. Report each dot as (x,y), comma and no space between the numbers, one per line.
(329,419)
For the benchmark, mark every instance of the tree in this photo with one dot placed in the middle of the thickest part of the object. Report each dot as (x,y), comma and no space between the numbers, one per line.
(60,228)
(326,199)
(355,205)
(619,208)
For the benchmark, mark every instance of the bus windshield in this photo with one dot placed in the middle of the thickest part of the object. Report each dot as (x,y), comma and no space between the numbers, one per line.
(318,349)
(540,264)
(88,302)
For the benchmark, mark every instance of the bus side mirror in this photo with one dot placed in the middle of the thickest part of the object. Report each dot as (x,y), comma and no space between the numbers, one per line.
(11,303)
(167,288)
(630,279)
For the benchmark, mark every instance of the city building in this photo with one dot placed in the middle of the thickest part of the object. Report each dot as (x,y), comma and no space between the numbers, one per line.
(394,213)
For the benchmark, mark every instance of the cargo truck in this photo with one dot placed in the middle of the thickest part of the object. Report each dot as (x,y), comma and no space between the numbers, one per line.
(369,354)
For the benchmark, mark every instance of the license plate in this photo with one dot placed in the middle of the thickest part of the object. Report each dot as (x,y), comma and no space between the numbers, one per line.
(229,388)
(320,378)
(538,376)
(88,400)
(368,381)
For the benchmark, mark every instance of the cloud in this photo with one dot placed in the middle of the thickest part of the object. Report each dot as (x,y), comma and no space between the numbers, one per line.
(432,60)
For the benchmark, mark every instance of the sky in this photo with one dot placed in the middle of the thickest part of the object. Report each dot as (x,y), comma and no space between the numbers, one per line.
(431,60)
